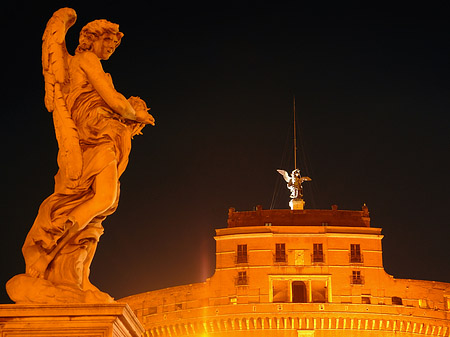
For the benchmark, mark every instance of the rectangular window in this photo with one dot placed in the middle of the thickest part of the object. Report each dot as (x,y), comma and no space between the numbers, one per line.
(241,254)
(280,252)
(242,278)
(365,300)
(355,253)
(356,277)
(317,252)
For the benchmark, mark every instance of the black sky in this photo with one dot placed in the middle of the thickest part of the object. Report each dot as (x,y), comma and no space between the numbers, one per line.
(372,91)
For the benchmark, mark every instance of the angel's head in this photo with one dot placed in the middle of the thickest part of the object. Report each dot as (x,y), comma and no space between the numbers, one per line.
(296,173)
(101,37)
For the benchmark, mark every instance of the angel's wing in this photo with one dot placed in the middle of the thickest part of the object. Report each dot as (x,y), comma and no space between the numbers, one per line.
(54,52)
(285,175)
(55,60)
(305,179)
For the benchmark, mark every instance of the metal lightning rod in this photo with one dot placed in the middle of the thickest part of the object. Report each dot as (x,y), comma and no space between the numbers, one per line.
(295,139)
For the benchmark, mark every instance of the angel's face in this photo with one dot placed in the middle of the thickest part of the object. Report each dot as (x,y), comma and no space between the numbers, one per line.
(105,46)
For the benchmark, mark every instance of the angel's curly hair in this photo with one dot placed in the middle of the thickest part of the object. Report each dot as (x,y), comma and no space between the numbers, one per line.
(92,32)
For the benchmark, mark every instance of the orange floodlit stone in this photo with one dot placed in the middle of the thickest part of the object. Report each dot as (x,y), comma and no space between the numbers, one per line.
(297,273)
(94,125)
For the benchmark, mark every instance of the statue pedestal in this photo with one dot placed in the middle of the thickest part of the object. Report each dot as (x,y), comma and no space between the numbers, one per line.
(81,320)
(297,204)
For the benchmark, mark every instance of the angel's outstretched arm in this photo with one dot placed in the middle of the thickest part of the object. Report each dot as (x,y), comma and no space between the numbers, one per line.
(91,65)
(102,83)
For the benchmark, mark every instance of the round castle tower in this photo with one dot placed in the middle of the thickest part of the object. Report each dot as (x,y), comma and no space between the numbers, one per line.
(297,273)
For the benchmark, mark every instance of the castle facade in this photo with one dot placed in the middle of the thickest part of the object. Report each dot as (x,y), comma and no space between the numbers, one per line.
(297,273)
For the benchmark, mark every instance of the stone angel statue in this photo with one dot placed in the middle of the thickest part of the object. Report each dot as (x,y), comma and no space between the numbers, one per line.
(294,183)
(94,125)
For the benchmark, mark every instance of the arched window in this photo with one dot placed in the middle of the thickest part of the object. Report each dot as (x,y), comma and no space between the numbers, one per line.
(299,292)
(397,300)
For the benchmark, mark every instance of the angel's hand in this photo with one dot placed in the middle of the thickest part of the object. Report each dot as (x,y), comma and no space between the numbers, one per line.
(139,106)
(142,116)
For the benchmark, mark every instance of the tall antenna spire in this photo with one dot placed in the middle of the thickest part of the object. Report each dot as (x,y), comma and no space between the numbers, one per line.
(294,182)
(295,139)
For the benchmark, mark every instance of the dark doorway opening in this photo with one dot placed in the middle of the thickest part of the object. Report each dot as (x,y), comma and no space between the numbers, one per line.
(299,292)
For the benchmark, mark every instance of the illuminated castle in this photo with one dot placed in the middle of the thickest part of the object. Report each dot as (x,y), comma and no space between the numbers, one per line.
(297,273)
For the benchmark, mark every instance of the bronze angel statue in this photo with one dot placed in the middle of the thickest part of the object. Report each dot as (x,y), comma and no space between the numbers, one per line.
(294,183)
(94,125)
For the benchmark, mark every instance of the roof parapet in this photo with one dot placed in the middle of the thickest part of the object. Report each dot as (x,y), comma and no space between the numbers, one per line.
(309,217)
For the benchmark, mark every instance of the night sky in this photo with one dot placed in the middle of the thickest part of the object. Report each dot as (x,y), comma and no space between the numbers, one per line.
(372,95)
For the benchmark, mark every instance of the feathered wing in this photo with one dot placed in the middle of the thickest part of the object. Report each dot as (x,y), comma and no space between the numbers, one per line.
(55,60)
(285,175)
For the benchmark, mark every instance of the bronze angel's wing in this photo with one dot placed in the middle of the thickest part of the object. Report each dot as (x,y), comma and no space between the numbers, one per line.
(305,179)
(285,175)
(55,60)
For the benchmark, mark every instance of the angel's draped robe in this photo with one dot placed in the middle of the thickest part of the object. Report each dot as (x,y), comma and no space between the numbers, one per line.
(104,138)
